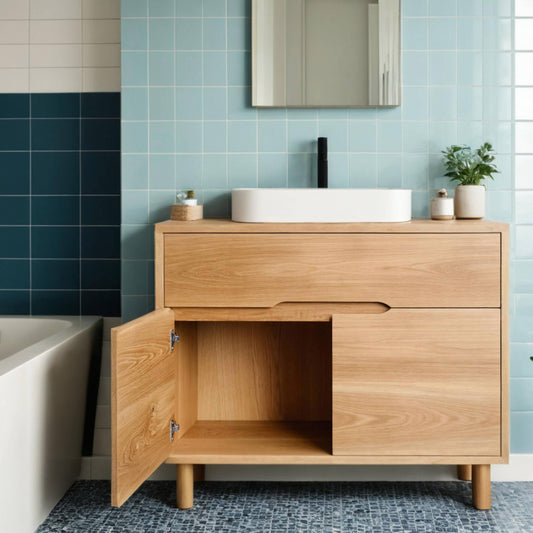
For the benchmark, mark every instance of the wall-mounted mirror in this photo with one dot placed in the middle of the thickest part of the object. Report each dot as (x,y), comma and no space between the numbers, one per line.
(325,53)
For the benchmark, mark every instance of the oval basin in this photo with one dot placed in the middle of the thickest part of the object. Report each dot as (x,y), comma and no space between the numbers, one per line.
(321,205)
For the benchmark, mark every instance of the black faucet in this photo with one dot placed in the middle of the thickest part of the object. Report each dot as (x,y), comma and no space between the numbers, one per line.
(322,163)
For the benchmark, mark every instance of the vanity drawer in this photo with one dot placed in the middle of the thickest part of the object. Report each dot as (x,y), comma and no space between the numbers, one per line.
(400,270)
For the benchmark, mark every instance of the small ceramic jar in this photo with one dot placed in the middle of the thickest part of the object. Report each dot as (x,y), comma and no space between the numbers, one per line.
(442,206)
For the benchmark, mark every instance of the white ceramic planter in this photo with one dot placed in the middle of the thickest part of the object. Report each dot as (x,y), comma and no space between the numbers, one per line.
(469,201)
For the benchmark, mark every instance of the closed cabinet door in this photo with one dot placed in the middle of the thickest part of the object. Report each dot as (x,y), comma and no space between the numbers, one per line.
(417,382)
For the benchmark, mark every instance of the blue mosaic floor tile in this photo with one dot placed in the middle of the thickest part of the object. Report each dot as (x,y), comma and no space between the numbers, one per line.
(295,507)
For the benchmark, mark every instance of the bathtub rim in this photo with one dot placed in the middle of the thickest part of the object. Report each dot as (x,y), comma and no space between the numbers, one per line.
(78,324)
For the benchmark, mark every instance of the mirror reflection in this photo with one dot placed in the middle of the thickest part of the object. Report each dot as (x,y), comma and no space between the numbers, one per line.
(326,53)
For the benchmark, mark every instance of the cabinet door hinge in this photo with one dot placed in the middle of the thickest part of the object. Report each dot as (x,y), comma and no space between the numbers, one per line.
(173,429)
(173,339)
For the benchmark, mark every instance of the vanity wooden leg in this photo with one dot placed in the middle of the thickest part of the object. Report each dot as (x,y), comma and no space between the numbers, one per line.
(481,486)
(185,486)
(199,473)
(464,472)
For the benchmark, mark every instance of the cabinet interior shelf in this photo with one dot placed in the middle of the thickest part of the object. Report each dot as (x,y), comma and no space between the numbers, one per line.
(295,442)
(254,442)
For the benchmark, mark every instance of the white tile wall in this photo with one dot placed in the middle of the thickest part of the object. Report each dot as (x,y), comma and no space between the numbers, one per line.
(14,32)
(56,80)
(14,80)
(59,45)
(55,31)
(55,55)
(14,55)
(14,9)
(101,9)
(101,79)
(101,55)
(55,9)
(101,31)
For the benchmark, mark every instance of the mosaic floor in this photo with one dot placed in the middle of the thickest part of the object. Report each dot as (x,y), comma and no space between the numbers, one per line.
(295,507)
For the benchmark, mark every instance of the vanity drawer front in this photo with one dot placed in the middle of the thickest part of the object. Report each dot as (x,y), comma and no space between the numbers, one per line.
(400,270)
(412,382)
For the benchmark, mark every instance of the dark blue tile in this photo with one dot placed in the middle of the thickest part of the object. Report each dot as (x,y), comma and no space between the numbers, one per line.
(14,242)
(14,210)
(14,105)
(55,243)
(14,172)
(55,172)
(55,302)
(14,302)
(55,134)
(55,210)
(100,172)
(100,243)
(100,134)
(55,105)
(96,274)
(100,105)
(14,134)
(14,274)
(51,274)
(103,303)
(100,210)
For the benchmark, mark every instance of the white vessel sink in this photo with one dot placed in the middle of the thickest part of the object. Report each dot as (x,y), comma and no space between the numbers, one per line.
(321,205)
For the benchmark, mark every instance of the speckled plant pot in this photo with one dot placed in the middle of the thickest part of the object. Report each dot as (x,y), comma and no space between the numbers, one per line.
(469,201)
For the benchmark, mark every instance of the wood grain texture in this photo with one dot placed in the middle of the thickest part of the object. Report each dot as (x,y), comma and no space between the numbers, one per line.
(505,370)
(284,312)
(159,270)
(481,489)
(256,441)
(464,472)
(185,486)
(264,371)
(142,400)
(417,382)
(242,270)
(263,442)
(186,376)
(414,226)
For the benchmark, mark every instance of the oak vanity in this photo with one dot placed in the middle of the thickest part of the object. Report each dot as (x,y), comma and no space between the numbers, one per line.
(347,344)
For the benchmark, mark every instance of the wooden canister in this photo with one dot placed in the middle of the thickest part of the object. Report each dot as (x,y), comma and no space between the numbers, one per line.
(186,212)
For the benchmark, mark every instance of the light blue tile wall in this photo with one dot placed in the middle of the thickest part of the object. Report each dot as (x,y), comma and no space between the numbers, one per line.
(188,123)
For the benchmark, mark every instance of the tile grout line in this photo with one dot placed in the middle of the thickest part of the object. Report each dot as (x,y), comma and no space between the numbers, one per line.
(80,183)
(148,125)
(31,205)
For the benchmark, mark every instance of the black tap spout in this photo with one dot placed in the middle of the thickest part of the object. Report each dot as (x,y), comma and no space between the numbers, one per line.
(322,163)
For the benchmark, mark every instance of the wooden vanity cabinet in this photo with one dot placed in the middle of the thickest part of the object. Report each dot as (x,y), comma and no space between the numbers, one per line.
(316,344)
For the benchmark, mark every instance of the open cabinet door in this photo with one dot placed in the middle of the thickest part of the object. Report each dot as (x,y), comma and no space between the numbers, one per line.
(142,400)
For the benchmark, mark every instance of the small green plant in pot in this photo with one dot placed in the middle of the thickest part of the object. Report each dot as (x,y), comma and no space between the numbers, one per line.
(469,168)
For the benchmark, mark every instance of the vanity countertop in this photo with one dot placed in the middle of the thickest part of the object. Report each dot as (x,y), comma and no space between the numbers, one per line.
(211,225)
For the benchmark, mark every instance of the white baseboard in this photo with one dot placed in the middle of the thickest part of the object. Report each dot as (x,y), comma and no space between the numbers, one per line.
(520,468)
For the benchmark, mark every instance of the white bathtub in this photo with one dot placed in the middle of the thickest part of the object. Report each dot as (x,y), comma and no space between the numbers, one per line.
(44,365)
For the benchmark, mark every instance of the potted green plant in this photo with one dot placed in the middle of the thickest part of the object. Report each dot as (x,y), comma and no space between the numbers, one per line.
(469,168)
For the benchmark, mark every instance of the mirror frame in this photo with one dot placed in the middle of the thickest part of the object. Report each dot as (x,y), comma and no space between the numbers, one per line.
(254,23)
